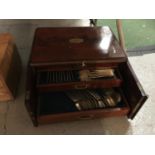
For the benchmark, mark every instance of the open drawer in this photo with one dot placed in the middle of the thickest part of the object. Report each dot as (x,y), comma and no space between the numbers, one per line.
(57,106)
(77,79)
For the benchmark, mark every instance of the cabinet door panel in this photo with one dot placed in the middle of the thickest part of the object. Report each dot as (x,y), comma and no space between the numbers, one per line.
(132,88)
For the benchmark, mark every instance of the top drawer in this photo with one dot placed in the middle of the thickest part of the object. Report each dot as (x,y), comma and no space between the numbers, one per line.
(78,79)
(76,66)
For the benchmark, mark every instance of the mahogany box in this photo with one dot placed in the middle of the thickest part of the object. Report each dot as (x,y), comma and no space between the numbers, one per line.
(58,57)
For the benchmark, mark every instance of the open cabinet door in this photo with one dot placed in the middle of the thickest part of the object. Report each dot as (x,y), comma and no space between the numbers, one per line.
(132,89)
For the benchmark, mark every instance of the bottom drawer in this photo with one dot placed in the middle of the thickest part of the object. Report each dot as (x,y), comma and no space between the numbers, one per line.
(56,107)
(84,115)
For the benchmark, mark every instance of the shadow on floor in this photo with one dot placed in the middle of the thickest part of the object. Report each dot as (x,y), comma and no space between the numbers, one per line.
(141,51)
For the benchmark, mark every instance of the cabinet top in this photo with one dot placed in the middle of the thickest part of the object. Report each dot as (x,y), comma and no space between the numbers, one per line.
(74,45)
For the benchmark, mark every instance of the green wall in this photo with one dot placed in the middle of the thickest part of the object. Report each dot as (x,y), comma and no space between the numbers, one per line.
(138,32)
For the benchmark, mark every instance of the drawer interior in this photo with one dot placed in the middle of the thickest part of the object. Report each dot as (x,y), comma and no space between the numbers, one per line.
(57,77)
(47,77)
(61,102)
(55,102)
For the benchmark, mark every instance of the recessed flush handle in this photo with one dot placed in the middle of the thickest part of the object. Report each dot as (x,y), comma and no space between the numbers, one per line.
(76,40)
(80,86)
(86,117)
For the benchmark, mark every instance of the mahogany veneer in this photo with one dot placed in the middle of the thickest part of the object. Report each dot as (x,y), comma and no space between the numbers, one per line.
(72,49)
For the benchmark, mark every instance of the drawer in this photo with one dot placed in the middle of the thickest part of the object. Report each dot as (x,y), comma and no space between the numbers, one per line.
(60,108)
(76,66)
(80,85)
(86,115)
(66,80)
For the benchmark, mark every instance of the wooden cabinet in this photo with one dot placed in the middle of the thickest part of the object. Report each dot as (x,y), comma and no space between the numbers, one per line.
(10,67)
(86,62)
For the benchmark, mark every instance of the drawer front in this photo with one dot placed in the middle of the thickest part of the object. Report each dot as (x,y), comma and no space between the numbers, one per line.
(76,66)
(132,89)
(104,83)
(61,87)
(85,115)
(80,85)
(76,79)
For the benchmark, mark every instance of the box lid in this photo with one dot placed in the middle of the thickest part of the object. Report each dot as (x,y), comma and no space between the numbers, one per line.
(75,45)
